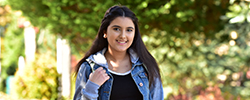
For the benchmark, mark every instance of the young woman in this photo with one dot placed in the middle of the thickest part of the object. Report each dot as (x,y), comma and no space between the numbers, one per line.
(118,66)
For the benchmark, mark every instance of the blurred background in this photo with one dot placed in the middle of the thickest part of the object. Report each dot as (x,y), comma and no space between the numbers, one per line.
(201,46)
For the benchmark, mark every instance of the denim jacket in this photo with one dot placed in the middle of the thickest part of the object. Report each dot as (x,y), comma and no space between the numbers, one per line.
(87,90)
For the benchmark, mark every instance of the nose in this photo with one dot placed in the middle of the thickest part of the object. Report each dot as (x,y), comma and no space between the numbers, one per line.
(123,34)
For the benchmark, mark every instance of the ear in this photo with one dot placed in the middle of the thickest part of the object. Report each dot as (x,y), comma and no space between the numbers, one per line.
(104,34)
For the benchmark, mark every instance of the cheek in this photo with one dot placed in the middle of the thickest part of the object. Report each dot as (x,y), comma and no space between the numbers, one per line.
(132,36)
(109,35)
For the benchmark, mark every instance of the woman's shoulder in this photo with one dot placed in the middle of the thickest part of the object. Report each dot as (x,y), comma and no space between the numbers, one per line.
(84,66)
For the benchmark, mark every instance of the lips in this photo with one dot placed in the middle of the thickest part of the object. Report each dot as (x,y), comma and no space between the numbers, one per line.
(121,42)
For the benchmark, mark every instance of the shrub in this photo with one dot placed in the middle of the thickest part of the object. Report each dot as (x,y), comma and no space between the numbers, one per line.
(38,80)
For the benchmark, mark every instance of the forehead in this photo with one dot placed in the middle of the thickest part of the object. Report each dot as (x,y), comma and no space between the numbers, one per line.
(122,22)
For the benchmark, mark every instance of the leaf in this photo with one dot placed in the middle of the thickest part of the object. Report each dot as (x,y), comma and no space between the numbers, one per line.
(238,19)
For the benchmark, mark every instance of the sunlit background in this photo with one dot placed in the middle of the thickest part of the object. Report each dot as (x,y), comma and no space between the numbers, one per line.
(201,46)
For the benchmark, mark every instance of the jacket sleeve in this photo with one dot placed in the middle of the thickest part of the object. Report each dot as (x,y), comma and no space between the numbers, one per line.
(85,89)
(156,90)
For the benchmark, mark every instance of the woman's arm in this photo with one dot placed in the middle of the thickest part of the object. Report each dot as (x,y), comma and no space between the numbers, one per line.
(87,83)
(156,90)
(85,89)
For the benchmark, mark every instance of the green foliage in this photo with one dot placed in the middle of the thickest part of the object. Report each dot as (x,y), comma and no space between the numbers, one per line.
(12,42)
(79,20)
(37,80)
(192,61)
(190,39)
(46,42)
(13,48)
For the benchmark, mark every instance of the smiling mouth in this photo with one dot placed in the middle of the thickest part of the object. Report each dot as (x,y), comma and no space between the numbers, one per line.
(121,42)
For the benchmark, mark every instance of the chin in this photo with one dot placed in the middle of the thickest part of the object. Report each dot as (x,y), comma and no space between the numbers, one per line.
(121,49)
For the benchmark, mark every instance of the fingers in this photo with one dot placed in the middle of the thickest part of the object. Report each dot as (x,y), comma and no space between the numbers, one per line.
(100,70)
(99,76)
(90,74)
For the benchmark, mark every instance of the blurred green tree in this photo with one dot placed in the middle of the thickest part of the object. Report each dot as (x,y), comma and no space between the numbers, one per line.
(38,80)
(79,20)
(194,63)
(190,39)
(12,42)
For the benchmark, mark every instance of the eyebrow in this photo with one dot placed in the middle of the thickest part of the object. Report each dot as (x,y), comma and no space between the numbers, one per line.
(120,26)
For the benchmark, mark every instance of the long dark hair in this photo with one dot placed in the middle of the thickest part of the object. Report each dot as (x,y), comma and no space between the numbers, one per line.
(137,45)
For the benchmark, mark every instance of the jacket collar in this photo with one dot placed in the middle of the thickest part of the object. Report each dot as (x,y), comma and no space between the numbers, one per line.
(100,59)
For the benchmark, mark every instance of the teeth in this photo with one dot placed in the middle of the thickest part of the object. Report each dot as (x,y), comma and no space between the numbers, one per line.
(121,42)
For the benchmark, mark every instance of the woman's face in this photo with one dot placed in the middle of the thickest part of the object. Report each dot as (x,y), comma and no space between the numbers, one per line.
(120,34)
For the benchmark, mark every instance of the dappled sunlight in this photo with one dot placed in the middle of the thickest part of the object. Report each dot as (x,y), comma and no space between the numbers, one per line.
(234,35)
(232,42)
(222,50)
(222,77)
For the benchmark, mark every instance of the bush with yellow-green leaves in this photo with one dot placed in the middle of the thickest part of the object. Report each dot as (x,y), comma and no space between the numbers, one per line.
(38,80)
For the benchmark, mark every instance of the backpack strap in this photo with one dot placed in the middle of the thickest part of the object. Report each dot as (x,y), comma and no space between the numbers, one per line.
(91,63)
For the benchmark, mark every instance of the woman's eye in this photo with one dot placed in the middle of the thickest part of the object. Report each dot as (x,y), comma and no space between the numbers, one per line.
(129,30)
(116,29)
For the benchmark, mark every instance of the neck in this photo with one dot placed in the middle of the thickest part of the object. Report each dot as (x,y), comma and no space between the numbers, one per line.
(116,56)
(118,61)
